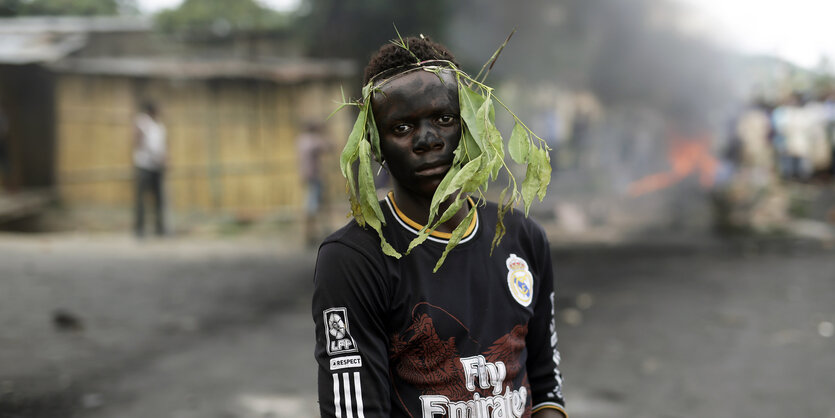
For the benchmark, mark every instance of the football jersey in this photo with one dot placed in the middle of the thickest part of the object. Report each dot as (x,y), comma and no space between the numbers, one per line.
(475,339)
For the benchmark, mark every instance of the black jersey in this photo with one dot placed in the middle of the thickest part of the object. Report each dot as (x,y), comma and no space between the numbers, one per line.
(475,339)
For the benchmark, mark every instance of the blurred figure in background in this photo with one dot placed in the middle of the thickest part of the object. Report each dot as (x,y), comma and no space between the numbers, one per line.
(4,158)
(829,109)
(829,126)
(784,120)
(5,164)
(801,127)
(753,199)
(149,159)
(818,156)
(312,145)
(753,130)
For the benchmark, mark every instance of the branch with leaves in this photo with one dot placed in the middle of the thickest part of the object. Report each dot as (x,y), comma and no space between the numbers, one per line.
(478,160)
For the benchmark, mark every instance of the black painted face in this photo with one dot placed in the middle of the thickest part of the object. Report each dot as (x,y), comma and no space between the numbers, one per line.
(418,117)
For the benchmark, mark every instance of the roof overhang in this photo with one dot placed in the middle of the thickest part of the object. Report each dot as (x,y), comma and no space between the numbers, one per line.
(287,71)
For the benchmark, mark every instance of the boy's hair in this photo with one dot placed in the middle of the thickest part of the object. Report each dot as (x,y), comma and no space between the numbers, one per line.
(392,56)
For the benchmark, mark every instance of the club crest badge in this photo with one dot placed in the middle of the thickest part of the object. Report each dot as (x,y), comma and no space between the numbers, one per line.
(337,332)
(519,280)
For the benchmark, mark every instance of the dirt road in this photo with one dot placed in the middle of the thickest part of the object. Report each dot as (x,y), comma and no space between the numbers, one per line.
(108,327)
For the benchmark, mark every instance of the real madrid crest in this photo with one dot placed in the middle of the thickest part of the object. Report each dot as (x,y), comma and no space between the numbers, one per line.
(519,280)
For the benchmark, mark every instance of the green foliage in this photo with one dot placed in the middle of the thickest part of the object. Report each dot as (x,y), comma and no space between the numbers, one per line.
(10,8)
(478,159)
(518,145)
(66,7)
(220,17)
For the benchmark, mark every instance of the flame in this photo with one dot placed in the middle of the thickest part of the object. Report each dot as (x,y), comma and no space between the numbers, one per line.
(686,155)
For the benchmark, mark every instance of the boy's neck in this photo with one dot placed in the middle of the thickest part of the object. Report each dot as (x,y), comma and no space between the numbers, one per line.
(417,209)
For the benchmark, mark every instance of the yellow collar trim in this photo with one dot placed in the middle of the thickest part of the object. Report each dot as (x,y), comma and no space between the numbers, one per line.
(436,234)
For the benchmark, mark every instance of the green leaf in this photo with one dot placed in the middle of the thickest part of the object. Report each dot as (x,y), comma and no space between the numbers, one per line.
(530,185)
(366,93)
(500,228)
(470,102)
(482,121)
(373,135)
(519,144)
(537,177)
(375,224)
(351,150)
(369,206)
(544,173)
(492,141)
(457,234)
(368,193)
(496,164)
(480,178)
(461,178)
(356,207)
(453,208)
(471,147)
(427,229)
(443,191)
(450,211)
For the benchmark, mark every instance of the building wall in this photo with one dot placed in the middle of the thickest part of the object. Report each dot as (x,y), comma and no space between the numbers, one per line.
(231,141)
(26,99)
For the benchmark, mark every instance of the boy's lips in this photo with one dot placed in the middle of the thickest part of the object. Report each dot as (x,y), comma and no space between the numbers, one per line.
(433,169)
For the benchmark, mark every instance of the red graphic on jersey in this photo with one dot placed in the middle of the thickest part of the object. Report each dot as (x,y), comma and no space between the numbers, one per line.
(421,358)
(507,349)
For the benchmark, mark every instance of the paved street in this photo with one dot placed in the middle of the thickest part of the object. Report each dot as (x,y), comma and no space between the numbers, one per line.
(102,326)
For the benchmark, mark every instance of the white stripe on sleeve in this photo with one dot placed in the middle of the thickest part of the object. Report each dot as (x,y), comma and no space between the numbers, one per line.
(336,404)
(349,413)
(358,392)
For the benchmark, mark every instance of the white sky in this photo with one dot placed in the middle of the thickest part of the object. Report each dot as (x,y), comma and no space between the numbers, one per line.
(149,6)
(797,30)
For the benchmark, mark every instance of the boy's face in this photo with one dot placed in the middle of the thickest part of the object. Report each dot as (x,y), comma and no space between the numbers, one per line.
(418,117)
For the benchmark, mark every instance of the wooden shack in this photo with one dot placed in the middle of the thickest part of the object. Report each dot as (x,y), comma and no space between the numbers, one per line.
(71,88)
(232,128)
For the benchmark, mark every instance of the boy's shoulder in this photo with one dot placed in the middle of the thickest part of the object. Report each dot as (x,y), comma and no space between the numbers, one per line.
(513,219)
(352,234)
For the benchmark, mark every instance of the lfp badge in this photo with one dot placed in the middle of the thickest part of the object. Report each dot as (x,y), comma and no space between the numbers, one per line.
(519,280)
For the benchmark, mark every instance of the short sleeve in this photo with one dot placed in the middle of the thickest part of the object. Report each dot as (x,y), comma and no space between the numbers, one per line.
(349,305)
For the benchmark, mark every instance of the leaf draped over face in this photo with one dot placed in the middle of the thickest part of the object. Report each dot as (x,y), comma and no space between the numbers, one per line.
(479,159)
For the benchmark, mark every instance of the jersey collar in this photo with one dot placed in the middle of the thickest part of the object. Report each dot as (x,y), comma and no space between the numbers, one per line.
(414,227)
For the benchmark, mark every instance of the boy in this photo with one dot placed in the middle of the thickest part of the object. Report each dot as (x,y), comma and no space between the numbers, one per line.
(394,339)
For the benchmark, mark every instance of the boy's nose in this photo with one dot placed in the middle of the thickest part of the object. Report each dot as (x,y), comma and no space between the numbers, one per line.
(426,140)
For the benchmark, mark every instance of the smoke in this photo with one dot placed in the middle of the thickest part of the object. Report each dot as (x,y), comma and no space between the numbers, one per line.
(655,87)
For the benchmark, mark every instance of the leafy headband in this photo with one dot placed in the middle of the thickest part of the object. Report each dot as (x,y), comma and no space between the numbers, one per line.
(478,159)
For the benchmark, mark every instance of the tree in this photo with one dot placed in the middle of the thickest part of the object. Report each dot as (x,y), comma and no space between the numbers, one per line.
(220,17)
(66,7)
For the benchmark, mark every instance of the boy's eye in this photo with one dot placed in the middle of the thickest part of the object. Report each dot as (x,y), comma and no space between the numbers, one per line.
(446,119)
(401,128)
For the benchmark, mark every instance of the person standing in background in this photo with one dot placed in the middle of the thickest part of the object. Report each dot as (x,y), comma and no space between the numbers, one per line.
(311,146)
(149,159)
(5,170)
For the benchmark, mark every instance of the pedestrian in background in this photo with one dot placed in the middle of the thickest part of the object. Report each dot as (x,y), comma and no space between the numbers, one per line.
(149,159)
(312,144)
(5,170)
